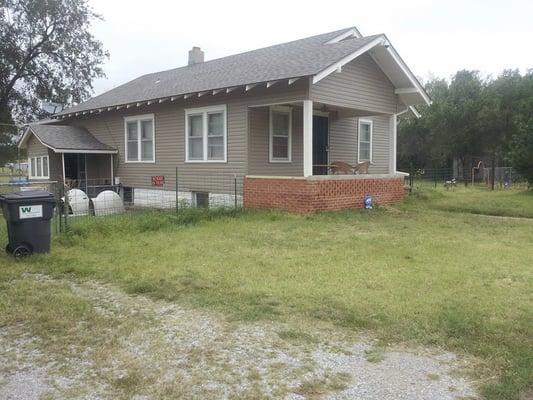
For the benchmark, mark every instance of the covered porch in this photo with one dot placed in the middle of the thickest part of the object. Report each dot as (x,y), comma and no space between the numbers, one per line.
(294,146)
(70,155)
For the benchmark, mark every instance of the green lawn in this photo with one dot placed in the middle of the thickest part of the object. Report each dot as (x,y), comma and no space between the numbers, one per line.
(427,272)
(475,200)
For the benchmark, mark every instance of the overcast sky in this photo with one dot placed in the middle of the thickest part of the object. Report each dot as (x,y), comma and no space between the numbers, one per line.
(435,38)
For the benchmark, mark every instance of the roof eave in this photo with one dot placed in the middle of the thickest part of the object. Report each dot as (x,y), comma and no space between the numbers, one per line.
(182,96)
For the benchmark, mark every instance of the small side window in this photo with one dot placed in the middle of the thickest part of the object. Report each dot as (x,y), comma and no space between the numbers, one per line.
(364,148)
(280,134)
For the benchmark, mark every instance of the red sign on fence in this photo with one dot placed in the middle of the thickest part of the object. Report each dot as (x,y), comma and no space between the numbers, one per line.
(158,180)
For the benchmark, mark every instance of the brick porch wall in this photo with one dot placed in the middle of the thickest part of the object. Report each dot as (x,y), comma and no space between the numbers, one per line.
(307,195)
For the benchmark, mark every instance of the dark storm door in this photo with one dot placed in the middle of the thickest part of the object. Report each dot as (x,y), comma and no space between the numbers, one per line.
(320,145)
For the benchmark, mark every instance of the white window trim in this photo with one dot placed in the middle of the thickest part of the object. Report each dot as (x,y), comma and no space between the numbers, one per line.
(138,119)
(204,111)
(371,123)
(30,162)
(271,135)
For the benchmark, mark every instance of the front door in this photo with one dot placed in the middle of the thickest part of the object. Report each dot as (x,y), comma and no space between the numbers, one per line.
(320,145)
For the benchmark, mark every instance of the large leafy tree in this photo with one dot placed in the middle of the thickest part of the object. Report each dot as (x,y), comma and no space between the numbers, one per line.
(46,54)
(520,152)
(471,116)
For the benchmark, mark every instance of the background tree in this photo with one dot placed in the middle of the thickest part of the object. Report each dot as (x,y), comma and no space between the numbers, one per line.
(520,152)
(472,117)
(47,54)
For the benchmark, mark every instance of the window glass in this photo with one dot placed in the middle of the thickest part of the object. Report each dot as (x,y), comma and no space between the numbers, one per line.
(280,132)
(365,132)
(33,162)
(364,151)
(38,168)
(45,166)
(365,138)
(215,136)
(196,141)
(280,147)
(280,123)
(133,148)
(215,124)
(195,125)
(206,134)
(147,143)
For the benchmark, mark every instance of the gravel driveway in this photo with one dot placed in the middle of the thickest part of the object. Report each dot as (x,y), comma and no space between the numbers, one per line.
(176,352)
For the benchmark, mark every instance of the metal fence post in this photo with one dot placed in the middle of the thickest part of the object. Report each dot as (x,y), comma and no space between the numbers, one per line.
(235,188)
(410,179)
(66,206)
(177,197)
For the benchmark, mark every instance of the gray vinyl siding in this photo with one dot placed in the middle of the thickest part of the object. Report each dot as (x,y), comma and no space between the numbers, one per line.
(343,140)
(361,85)
(56,166)
(259,149)
(380,144)
(170,138)
(36,148)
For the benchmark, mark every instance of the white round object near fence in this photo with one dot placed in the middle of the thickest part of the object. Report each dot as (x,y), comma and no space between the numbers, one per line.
(78,202)
(108,202)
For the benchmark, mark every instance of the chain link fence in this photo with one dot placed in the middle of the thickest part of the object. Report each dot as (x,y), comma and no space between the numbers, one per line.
(79,200)
(504,178)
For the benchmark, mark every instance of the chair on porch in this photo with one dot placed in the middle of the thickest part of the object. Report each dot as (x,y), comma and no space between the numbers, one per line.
(343,167)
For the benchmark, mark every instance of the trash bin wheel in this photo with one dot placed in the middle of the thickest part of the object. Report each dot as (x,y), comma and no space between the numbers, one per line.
(9,249)
(22,250)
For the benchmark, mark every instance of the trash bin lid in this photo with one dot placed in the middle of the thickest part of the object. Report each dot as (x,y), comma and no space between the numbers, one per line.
(26,195)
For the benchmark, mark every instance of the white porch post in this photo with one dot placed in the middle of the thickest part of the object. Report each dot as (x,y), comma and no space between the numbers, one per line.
(112,183)
(393,144)
(308,137)
(63,166)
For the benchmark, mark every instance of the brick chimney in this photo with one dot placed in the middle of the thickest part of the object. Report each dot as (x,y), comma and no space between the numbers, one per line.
(196,56)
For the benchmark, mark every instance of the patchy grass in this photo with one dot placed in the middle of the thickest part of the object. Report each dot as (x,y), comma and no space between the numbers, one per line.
(322,385)
(375,354)
(475,200)
(409,274)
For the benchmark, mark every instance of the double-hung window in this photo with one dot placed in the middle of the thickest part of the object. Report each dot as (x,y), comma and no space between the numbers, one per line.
(206,134)
(280,134)
(140,138)
(364,142)
(39,167)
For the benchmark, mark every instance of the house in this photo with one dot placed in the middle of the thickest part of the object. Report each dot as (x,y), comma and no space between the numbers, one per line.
(274,118)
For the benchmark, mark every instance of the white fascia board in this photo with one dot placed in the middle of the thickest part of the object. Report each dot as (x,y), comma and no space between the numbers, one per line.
(345,60)
(406,90)
(27,134)
(24,137)
(405,69)
(69,151)
(415,112)
(292,80)
(353,32)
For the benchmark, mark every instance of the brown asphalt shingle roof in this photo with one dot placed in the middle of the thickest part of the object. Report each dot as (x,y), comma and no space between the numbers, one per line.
(298,58)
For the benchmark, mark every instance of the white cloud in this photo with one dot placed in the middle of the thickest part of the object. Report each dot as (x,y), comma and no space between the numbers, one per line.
(434,37)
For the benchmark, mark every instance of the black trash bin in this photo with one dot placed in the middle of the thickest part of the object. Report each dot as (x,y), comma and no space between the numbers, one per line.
(28,215)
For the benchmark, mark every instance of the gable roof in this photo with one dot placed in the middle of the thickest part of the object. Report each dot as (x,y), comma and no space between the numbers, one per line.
(66,139)
(296,59)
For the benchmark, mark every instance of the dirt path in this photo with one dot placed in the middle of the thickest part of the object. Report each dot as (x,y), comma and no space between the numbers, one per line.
(159,350)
